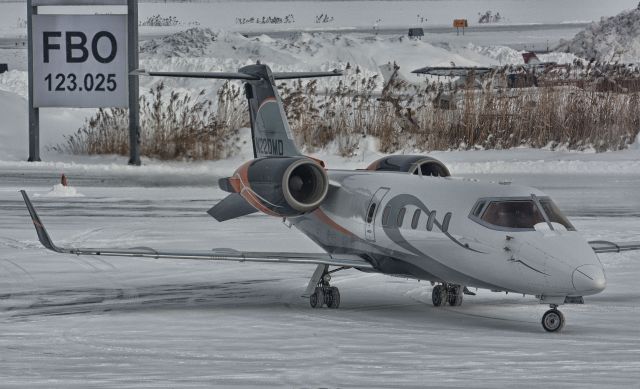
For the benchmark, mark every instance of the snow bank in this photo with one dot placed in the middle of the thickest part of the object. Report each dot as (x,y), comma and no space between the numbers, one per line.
(611,39)
(503,55)
(60,190)
(13,128)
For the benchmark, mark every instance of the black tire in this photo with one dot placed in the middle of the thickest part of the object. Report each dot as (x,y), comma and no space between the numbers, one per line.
(439,296)
(317,298)
(455,296)
(332,299)
(553,320)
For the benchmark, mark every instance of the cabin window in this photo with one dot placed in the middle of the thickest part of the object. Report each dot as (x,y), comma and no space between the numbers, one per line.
(400,217)
(385,215)
(430,220)
(371,212)
(415,218)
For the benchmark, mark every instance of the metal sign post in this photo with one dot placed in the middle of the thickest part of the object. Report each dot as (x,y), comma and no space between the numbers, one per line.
(83,61)
(34,113)
(134,85)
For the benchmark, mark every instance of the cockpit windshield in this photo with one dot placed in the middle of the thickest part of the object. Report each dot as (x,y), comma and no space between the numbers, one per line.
(518,213)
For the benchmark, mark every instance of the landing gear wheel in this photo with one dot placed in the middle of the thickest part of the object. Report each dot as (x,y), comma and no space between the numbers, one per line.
(553,320)
(439,295)
(455,296)
(317,298)
(332,297)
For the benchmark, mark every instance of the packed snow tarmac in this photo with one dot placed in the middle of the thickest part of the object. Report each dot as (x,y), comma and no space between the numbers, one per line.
(88,321)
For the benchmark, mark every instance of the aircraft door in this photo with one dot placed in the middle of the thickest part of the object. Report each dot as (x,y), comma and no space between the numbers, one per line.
(373,209)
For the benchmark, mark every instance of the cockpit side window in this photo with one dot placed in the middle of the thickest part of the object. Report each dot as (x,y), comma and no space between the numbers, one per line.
(555,215)
(478,208)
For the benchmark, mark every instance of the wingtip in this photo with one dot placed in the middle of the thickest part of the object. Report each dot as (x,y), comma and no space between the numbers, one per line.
(43,236)
(138,72)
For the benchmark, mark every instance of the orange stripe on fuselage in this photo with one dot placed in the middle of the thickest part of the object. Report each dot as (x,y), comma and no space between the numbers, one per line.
(328,221)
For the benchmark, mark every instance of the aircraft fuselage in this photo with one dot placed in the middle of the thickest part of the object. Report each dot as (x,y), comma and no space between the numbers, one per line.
(547,260)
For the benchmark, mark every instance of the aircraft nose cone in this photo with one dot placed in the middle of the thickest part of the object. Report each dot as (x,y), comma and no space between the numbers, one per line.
(589,279)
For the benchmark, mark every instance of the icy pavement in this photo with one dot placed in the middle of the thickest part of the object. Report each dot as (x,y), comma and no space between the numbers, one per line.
(72,321)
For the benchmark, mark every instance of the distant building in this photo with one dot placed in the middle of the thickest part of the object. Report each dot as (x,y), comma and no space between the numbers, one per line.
(416,33)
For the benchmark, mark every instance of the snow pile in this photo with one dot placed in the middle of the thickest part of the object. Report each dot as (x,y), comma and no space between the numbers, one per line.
(190,43)
(59,190)
(503,55)
(15,81)
(611,39)
(13,130)
(228,51)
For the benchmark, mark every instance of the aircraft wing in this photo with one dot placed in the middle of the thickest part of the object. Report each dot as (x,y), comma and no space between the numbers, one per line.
(211,255)
(451,71)
(603,246)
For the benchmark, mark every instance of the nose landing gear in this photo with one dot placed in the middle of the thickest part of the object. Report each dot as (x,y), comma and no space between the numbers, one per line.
(553,319)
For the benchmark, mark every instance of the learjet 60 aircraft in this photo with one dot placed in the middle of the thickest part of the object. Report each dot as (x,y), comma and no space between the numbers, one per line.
(403,215)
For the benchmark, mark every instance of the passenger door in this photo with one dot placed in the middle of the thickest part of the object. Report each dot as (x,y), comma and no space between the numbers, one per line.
(372,212)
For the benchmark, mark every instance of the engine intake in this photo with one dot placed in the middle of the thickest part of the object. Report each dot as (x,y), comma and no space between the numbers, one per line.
(412,164)
(280,186)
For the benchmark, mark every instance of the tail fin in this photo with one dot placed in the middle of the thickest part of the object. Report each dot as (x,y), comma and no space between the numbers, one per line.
(269,126)
(530,58)
(391,72)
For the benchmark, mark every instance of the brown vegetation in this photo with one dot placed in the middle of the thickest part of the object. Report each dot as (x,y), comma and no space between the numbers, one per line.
(171,127)
(440,116)
(435,116)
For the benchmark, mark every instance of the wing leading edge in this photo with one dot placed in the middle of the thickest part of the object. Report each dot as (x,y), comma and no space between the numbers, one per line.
(212,255)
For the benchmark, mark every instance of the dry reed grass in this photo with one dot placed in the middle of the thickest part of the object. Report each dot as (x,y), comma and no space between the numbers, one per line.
(177,126)
(437,116)
(407,118)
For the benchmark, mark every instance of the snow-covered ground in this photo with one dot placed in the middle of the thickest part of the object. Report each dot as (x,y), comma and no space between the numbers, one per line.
(72,321)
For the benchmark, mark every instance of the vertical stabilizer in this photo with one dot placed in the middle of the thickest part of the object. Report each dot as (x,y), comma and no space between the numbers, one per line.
(270,129)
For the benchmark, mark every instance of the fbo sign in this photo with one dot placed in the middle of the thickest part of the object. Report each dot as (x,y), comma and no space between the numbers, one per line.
(80,61)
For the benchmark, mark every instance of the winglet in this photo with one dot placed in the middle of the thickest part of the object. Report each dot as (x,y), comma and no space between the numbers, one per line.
(43,236)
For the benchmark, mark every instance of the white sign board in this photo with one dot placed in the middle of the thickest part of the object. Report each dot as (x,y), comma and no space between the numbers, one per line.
(80,61)
(78,2)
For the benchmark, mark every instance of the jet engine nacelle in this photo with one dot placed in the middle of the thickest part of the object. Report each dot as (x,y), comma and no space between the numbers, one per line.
(412,164)
(280,186)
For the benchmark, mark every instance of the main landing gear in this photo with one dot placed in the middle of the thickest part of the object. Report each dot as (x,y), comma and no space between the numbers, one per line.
(553,320)
(324,293)
(443,294)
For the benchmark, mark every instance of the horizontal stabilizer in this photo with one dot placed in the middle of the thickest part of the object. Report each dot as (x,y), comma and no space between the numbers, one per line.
(213,75)
(294,75)
(237,75)
(231,207)
(455,71)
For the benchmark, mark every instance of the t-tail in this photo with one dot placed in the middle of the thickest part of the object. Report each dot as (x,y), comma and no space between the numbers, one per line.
(270,131)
